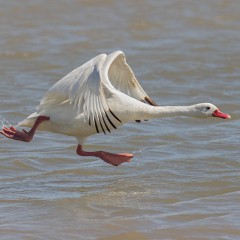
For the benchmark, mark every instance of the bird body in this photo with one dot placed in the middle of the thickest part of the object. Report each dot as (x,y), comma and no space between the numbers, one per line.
(85,102)
(99,96)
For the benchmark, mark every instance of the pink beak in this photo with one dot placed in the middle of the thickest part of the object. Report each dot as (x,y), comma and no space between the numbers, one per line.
(220,114)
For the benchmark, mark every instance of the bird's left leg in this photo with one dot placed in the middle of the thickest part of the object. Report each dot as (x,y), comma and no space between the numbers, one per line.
(23,135)
(111,158)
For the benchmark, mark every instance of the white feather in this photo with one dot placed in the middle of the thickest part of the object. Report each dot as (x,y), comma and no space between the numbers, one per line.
(86,93)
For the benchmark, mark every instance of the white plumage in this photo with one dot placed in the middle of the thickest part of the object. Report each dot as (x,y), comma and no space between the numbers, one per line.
(95,97)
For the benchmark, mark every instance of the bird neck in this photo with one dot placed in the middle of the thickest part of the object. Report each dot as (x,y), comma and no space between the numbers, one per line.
(169,111)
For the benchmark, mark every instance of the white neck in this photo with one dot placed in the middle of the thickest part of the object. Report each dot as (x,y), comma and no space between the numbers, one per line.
(149,112)
(175,111)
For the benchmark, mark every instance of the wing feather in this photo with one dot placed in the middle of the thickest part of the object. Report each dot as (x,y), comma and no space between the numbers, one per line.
(122,78)
(82,87)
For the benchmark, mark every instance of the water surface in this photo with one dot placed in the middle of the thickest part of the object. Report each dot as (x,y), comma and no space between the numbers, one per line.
(183,182)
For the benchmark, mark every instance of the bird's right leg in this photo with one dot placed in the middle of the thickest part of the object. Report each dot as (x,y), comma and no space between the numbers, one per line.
(111,158)
(23,135)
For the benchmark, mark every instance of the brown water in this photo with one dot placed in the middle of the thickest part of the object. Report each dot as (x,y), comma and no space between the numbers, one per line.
(184,180)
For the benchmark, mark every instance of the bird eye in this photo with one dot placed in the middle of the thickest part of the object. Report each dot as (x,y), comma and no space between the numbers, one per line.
(207,108)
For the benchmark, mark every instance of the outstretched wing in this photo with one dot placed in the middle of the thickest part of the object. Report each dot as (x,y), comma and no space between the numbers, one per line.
(83,88)
(122,78)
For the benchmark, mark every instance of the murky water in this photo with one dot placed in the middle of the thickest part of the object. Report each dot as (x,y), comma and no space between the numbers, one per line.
(184,180)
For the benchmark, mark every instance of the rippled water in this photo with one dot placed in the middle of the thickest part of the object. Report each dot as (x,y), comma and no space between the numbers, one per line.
(184,180)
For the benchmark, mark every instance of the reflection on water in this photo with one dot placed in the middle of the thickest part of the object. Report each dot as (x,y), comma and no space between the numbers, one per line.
(183,182)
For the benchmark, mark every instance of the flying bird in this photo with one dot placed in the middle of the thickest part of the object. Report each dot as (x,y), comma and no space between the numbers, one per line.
(99,97)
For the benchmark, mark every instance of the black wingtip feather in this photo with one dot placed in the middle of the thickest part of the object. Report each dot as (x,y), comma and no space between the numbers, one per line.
(114,115)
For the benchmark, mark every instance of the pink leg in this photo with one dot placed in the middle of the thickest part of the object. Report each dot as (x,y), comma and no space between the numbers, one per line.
(111,158)
(23,135)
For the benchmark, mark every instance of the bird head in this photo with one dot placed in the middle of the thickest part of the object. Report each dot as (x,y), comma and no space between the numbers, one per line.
(205,110)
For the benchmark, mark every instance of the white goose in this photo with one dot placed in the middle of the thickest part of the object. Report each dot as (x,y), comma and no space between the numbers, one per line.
(99,96)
